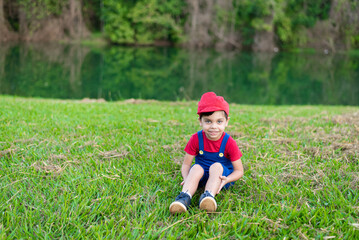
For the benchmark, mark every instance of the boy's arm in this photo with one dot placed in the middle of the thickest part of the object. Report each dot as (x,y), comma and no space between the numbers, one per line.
(234,176)
(186,166)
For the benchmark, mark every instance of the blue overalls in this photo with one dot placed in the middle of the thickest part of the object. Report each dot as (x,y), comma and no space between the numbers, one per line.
(206,159)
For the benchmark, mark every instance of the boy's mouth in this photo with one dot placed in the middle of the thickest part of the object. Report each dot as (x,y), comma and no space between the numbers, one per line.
(213,133)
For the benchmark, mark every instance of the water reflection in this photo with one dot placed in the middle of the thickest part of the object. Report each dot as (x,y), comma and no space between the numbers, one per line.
(75,72)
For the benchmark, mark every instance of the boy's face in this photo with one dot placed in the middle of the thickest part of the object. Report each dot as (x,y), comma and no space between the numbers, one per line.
(214,125)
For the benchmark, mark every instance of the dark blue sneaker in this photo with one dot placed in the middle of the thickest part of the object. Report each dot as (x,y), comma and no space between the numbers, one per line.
(207,202)
(181,203)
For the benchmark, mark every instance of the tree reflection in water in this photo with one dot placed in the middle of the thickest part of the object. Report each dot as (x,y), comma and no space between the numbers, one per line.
(115,73)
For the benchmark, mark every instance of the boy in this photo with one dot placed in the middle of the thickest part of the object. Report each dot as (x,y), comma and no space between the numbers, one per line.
(217,157)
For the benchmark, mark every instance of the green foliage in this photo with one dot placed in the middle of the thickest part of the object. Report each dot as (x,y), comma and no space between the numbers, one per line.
(42,8)
(347,12)
(307,12)
(284,27)
(143,22)
(250,17)
(117,22)
(287,19)
(355,41)
(92,14)
(151,21)
(294,16)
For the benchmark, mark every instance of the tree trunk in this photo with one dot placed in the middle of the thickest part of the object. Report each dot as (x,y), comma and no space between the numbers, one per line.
(329,37)
(203,29)
(200,23)
(346,15)
(51,28)
(74,20)
(5,33)
(23,24)
(263,39)
(225,32)
(2,17)
(3,53)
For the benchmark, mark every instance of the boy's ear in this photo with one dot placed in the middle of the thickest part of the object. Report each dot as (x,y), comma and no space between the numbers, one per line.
(200,122)
(227,121)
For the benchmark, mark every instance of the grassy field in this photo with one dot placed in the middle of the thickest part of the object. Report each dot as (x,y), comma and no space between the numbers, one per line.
(75,169)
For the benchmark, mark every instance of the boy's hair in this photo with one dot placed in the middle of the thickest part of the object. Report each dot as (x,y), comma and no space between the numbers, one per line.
(210,113)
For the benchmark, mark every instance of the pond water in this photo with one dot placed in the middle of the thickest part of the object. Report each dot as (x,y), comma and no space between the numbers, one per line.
(116,73)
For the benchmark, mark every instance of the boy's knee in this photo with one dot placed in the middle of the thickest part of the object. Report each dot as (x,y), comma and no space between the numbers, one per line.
(216,167)
(198,169)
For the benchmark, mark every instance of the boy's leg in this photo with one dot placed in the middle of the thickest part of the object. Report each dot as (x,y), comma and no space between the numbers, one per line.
(214,182)
(207,201)
(191,183)
(183,200)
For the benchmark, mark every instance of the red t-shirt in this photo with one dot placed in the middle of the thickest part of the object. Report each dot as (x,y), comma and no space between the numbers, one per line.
(231,151)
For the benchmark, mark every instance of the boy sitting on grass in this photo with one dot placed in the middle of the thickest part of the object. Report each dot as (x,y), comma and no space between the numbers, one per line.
(217,157)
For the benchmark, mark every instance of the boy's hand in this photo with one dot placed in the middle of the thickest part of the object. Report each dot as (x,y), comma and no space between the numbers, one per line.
(182,183)
(223,182)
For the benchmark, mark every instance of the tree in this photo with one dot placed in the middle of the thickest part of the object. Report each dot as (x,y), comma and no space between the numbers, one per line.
(51,20)
(5,33)
(143,21)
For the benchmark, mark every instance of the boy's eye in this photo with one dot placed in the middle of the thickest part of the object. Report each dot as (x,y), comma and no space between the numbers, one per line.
(219,121)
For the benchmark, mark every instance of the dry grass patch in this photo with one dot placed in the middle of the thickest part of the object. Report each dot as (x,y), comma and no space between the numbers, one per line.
(173,122)
(350,149)
(52,165)
(55,157)
(340,141)
(284,120)
(176,147)
(139,101)
(88,100)
(348,118)
(91,143)
(178,160)
(30,140)
(121,153)
(244,146)
(7,152)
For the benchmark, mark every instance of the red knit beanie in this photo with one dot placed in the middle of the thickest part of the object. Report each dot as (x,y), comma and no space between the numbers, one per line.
(210,102)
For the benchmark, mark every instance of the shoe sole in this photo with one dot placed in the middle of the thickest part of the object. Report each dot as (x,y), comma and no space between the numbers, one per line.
(177,207)
(208,204)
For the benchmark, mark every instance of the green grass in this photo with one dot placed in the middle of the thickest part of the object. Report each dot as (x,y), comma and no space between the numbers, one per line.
(71,169)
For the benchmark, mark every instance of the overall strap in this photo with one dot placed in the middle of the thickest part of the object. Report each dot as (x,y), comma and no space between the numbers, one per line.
(223,145)
(200,142)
